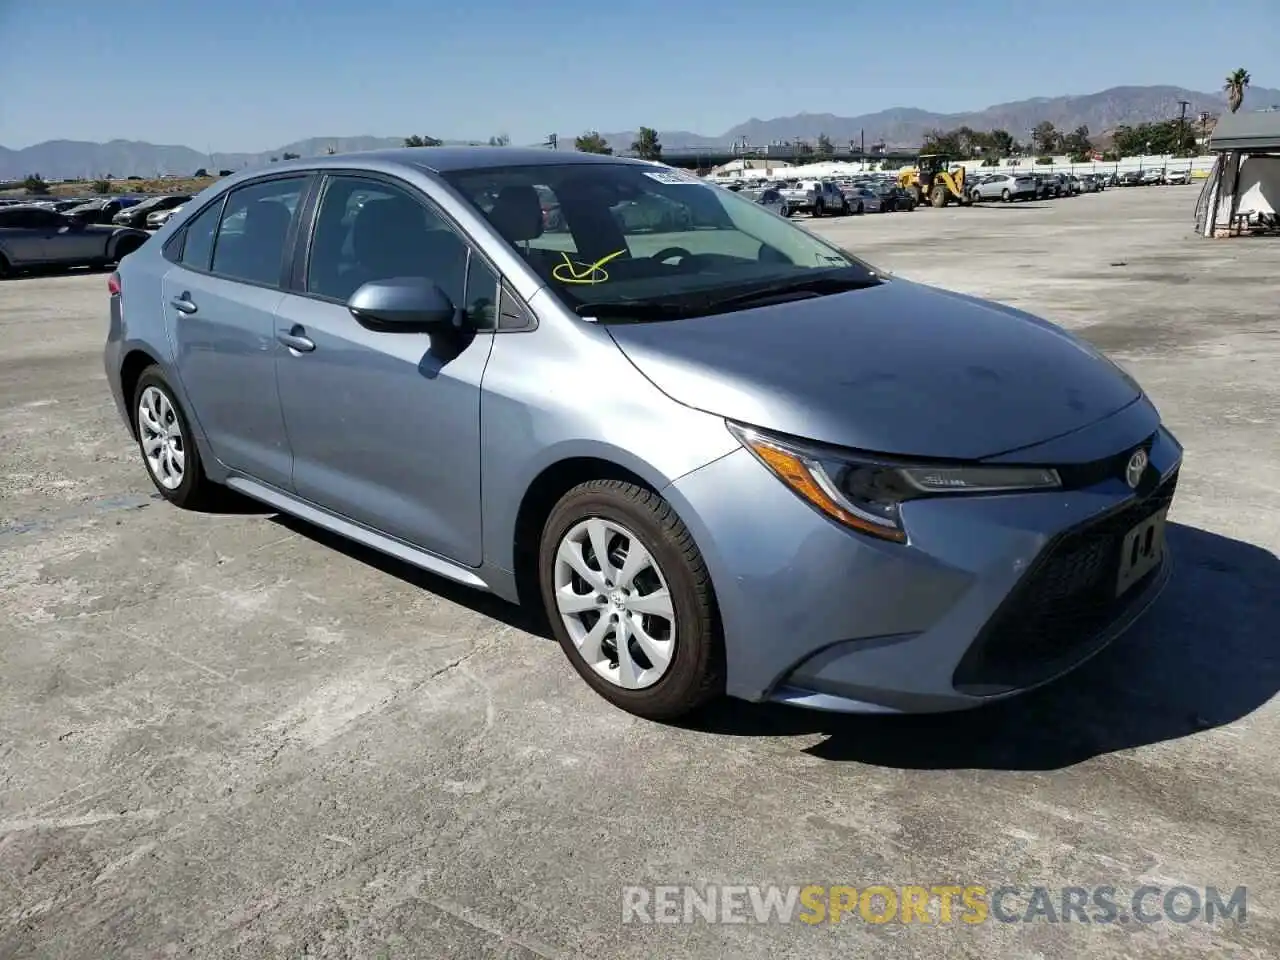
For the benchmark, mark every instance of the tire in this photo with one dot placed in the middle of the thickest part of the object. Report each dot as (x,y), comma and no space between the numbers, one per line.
(818,209)
(193,490)
(785,211)
(844,209)
(1005,195)
(5,270)
(939,196)
(623,515)
(126,246)
(861,208)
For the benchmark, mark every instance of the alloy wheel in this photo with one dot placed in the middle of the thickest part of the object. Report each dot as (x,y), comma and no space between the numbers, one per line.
(160,433)
(615,604)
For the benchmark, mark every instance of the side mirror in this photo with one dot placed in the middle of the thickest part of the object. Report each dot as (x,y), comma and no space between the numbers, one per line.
(404,305)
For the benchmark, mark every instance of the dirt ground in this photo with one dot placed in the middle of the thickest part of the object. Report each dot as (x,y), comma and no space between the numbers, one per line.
(231,736)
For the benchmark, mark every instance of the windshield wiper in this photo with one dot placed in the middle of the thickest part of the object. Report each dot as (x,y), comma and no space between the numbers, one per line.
(818,286)
(635,309)
(700,304)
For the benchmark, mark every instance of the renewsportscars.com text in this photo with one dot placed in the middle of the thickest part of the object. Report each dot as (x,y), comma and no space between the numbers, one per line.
(936,904)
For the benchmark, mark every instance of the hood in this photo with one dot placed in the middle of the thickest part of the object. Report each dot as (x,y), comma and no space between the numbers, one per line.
(897,369)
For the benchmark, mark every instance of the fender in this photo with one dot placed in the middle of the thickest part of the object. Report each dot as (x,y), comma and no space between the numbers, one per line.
(118,236)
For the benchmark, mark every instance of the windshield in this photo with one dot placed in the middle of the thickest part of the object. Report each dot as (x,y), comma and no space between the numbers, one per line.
(637,234)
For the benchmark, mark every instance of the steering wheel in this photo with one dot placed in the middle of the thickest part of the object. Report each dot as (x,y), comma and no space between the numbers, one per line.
(668,253)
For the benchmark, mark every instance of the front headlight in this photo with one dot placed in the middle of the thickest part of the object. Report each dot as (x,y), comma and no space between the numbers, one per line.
(866,492)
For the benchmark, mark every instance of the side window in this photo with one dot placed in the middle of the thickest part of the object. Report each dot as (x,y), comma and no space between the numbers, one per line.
(197,247)
(481,299)
(46,219)
(513,314)
(370,230)
(254,229)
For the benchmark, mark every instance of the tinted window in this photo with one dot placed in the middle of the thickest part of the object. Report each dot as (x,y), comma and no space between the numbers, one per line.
(481,301)
(254,229)
(370,230)
(197,248)
(25,218)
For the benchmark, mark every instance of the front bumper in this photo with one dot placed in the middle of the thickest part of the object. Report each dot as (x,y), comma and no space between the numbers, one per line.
(992,596)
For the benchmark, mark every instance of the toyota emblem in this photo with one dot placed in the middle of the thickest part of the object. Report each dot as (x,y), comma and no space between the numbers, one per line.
(1136,467)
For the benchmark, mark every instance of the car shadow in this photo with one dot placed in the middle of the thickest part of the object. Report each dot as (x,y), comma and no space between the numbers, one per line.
(1207,654)
(530,620)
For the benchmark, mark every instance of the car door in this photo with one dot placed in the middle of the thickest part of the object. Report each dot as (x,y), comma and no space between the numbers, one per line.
(65,241)
(220,298)
(385,426)
(21,238)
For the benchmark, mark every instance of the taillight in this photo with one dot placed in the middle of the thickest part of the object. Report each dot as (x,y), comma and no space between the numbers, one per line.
(113,285)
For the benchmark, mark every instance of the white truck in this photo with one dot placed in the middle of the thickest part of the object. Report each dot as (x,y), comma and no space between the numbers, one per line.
(817,197)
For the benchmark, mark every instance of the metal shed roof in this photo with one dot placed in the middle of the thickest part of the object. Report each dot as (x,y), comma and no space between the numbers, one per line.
(1255,130)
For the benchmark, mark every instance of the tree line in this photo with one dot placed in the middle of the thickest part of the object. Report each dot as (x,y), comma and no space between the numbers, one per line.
(647,145)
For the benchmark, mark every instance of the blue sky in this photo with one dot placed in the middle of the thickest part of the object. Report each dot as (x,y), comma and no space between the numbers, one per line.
(232,75)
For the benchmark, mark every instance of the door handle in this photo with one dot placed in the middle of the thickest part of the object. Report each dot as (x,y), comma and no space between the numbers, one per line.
(182,303)
(294,340)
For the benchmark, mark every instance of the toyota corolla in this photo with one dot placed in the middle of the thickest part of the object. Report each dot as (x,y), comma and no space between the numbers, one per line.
(724,455)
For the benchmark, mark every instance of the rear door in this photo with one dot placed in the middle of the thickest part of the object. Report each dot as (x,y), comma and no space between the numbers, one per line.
(220,299)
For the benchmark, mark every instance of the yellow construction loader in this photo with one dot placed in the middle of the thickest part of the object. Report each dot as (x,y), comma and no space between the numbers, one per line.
(933,181)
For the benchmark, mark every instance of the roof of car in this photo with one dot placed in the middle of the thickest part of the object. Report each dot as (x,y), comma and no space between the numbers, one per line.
(446,159)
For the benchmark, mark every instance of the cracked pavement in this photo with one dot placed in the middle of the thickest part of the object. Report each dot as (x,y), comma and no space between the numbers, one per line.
(233,736)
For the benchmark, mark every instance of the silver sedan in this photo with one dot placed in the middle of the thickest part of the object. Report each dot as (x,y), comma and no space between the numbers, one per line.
(32,237)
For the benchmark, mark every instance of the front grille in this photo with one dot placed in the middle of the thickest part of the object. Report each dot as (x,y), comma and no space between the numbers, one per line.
(1062,604)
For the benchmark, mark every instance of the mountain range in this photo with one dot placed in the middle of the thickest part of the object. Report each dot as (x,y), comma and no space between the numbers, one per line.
(896,127)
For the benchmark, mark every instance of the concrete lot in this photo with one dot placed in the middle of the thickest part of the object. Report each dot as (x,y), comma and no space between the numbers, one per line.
(229,736)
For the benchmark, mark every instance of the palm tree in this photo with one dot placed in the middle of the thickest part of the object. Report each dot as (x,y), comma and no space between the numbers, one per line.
(1237,80)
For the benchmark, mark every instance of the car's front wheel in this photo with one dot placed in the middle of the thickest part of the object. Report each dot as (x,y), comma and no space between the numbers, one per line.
(630,599)
(168,449)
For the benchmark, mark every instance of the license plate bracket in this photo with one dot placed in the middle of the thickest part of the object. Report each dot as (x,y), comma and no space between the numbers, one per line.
(1141,550)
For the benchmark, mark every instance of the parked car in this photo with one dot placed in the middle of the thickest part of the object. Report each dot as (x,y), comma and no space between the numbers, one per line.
(136,215)
(1182,175)
(770,198)
(864,200)
(1004,186)
(157,218)
(708,519)
(1152,175)
(96,211)
(894,198)
(1046,186)
(35,237)
(818,197)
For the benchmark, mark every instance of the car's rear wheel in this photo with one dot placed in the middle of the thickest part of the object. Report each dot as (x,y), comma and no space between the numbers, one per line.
(1005,195)
(630,599)
(817,209)
(165,442)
